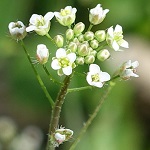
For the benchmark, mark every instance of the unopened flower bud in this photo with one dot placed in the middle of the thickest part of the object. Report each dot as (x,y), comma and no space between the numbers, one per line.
(59,40)
(80,60)
(89,35)
(100,35)
(89,59)
(42,53)
(75,40)
(78,28)
(17,30)
(72,46)
(81,37)
(94,44)
(103,54)
(83,50)
(69,34)
(93,53)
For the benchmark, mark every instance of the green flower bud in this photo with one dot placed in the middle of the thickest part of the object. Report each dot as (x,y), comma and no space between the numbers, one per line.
(80,60)
(69,34)
(72,46)
(103,55)
(94,44)
(78,28)
(89,59)
(100,35)
(59,40)
(89,35)
(83,50)
(93,53)
(81,38)
(75,40)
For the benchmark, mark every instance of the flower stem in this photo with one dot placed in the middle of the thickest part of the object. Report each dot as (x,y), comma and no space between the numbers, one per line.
(90,27)
(50,76)
(57,109)
(79,89)
(94,114)
(38,77)
(51,39)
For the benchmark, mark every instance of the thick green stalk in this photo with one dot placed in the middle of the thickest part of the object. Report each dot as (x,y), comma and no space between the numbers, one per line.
(94,114)
(38,77)
(57,109)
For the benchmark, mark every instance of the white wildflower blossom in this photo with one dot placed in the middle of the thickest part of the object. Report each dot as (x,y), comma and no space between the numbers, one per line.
(63,61)
(128,69)
(42,53)
(66,16)
(96,77)
(115,39)
(97,14)
(17,30)
(40,24)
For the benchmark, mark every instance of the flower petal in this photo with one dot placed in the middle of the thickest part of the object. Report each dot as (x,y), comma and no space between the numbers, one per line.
(104,76)
(118,28)
(55,64)
(61,52)
(94,68)
(135,64)
(124,44)
(67,70)
(49,16)
(31,28)
(72,57)
(115,46)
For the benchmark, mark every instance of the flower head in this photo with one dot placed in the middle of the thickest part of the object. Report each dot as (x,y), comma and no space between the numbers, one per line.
(63,62)
(128,69)
(66,16)
(97,14)
(96,77)
(42,53)
(115,39)
(17,30)
(40,24)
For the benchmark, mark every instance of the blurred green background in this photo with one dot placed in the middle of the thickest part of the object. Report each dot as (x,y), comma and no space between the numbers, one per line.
(124,120)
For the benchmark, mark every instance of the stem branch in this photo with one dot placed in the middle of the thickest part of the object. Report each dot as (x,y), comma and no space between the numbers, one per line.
(94,114)
(37,76)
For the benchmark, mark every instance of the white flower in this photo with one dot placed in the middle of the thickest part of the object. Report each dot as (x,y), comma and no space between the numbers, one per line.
(63,61)
(115,39)
(97,14)
(66,16)
(42,53)
(96,77)
(40,24)
(128,70)
(17,30)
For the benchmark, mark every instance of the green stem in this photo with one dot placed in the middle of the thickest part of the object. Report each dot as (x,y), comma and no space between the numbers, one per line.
(51,39)
(37,76)
(57,109)
(94,114)
(79,89)
(50,76)
(90,27)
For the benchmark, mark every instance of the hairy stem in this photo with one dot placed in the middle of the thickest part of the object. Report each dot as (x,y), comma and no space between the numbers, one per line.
(94,114)
(57,109)
(38,76)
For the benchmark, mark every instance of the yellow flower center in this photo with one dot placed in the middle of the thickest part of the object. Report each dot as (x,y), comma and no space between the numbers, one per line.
(64,62)
(95,78)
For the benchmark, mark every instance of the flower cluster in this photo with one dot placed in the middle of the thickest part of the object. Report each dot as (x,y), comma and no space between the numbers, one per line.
(83,47)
